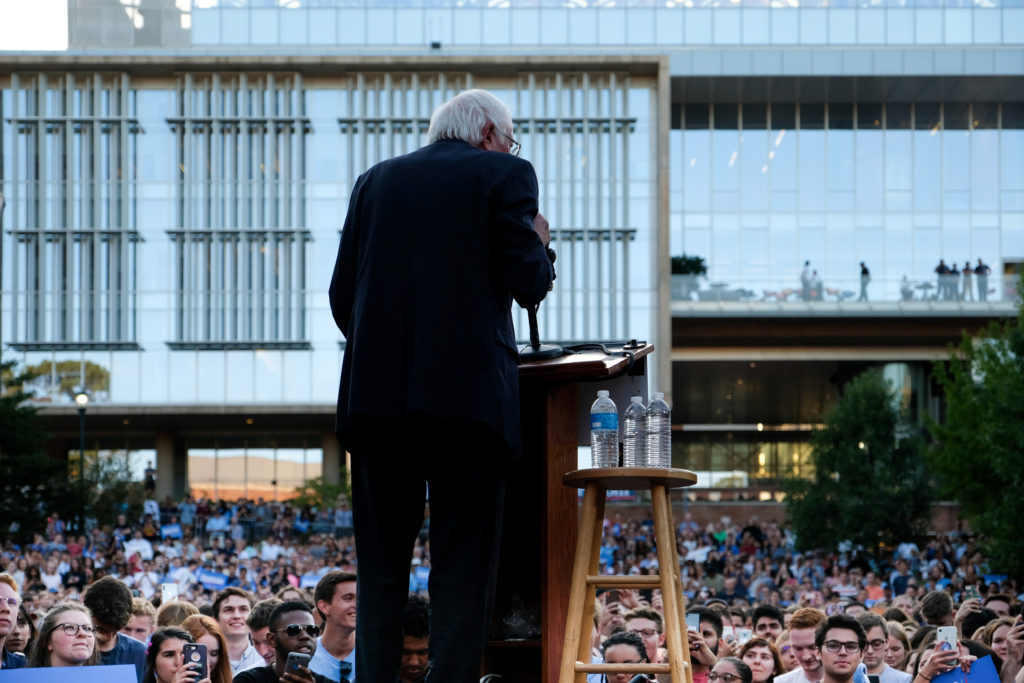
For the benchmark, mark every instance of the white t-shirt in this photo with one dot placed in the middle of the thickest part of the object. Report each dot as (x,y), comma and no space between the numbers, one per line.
(250,660)
(797,675)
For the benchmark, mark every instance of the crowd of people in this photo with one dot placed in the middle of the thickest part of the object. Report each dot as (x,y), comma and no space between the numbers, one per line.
(253,581)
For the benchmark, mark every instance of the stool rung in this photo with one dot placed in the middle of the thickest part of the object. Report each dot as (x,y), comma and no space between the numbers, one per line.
(646,581)
(623,668)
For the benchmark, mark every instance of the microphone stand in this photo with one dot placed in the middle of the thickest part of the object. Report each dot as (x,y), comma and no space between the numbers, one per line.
(535,350)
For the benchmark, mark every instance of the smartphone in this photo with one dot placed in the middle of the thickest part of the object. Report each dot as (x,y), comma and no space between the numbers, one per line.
(874,678)
(294,661)
(611,595)
(971,592)
(168,593)
(743,635)
(946,636)
(728,633)
(195,657)
(693,622)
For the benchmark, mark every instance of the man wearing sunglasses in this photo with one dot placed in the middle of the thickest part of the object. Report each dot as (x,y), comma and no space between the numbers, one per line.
(436,245)
(290,629)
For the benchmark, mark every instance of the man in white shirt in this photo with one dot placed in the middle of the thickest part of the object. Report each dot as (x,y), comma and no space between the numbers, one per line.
(802,629)
(874,651)
(335,656)
(231,609)
(139,545)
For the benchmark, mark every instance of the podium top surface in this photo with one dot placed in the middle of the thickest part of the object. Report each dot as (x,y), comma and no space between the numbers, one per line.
(630,477)
(585,365)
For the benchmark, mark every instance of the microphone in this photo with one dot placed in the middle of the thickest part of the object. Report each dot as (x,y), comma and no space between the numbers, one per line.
(535,350)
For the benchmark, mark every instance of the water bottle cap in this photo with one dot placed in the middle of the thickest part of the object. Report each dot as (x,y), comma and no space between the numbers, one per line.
(603,393)
(637,399)
(658,396)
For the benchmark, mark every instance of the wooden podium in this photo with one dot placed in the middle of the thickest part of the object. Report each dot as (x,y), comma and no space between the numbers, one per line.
(541,514)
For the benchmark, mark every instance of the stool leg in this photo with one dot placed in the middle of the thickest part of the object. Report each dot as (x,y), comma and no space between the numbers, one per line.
(578,588)
(593,568)
(668,569)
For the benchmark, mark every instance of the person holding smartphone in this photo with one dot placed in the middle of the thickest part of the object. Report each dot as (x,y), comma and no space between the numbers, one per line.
(292,633)
(165,658)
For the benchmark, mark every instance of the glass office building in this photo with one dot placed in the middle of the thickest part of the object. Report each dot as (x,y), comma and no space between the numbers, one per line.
(176,173)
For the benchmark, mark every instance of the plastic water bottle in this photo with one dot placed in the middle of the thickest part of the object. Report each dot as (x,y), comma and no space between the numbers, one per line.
(659,432)
(634,434)
(604,432)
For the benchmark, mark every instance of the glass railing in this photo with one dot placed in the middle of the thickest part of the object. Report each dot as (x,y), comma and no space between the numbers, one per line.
(937,291)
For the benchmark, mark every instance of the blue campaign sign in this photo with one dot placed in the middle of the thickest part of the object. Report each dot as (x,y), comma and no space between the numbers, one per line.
(117,673)
(309,580)
(982,671)
(170,531)
(212,580)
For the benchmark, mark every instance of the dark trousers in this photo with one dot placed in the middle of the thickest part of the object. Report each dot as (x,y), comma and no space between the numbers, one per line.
(391,470)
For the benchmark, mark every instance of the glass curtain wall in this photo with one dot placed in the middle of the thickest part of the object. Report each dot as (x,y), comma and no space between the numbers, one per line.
(764,191)
(172,240)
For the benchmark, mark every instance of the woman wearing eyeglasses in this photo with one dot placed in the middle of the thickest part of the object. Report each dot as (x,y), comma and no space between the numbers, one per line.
(165,662)
(730,670)
(206,631)
(65,638)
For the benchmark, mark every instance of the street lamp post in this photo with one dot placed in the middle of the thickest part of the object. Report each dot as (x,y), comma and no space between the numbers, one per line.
(82,399)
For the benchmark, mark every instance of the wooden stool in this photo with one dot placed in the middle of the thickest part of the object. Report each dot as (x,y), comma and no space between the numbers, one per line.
(586,573)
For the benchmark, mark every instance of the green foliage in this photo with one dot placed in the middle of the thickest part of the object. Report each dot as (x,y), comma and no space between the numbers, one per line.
(65,377)
(977,457)
(318,492)
(870,482)
(33,485)
(112,488)
(689,265)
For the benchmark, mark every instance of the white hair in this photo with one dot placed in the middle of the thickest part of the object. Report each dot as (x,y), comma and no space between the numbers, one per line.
(465,116)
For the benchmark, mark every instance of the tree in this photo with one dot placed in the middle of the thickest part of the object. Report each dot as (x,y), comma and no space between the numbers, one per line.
(33,485)
(977,457)
(870,484)
(319,493)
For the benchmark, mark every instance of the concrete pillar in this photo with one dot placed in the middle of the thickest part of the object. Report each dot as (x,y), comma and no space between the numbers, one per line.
(333,463)
(171,466)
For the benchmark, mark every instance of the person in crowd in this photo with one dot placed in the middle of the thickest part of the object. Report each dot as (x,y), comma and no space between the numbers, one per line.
(768,622)
(165,661)
(782,644)
(415,641)
(937,608)
(470,190)
(289,593)
(10,602)
(174,613)
(898,650)
(704,644)
(623,647)
(206,631)
(335,656)
(23,634)
(731,670)
(996,636)
(259,625)
(110,603)
(865,278)
(143,621)
(66,638)
(763,659)
(231,609)
(649,625)
(933,659)
(873,654)
(291,629)
(802,633)
(840,640)
(981,272)
(999,603)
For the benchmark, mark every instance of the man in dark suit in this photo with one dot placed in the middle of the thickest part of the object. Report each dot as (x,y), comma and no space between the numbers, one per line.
(435,246)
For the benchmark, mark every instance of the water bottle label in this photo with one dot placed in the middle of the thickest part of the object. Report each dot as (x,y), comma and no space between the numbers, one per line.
(604,421)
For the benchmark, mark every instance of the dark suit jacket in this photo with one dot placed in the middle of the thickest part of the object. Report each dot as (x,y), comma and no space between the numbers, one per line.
(435,246)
